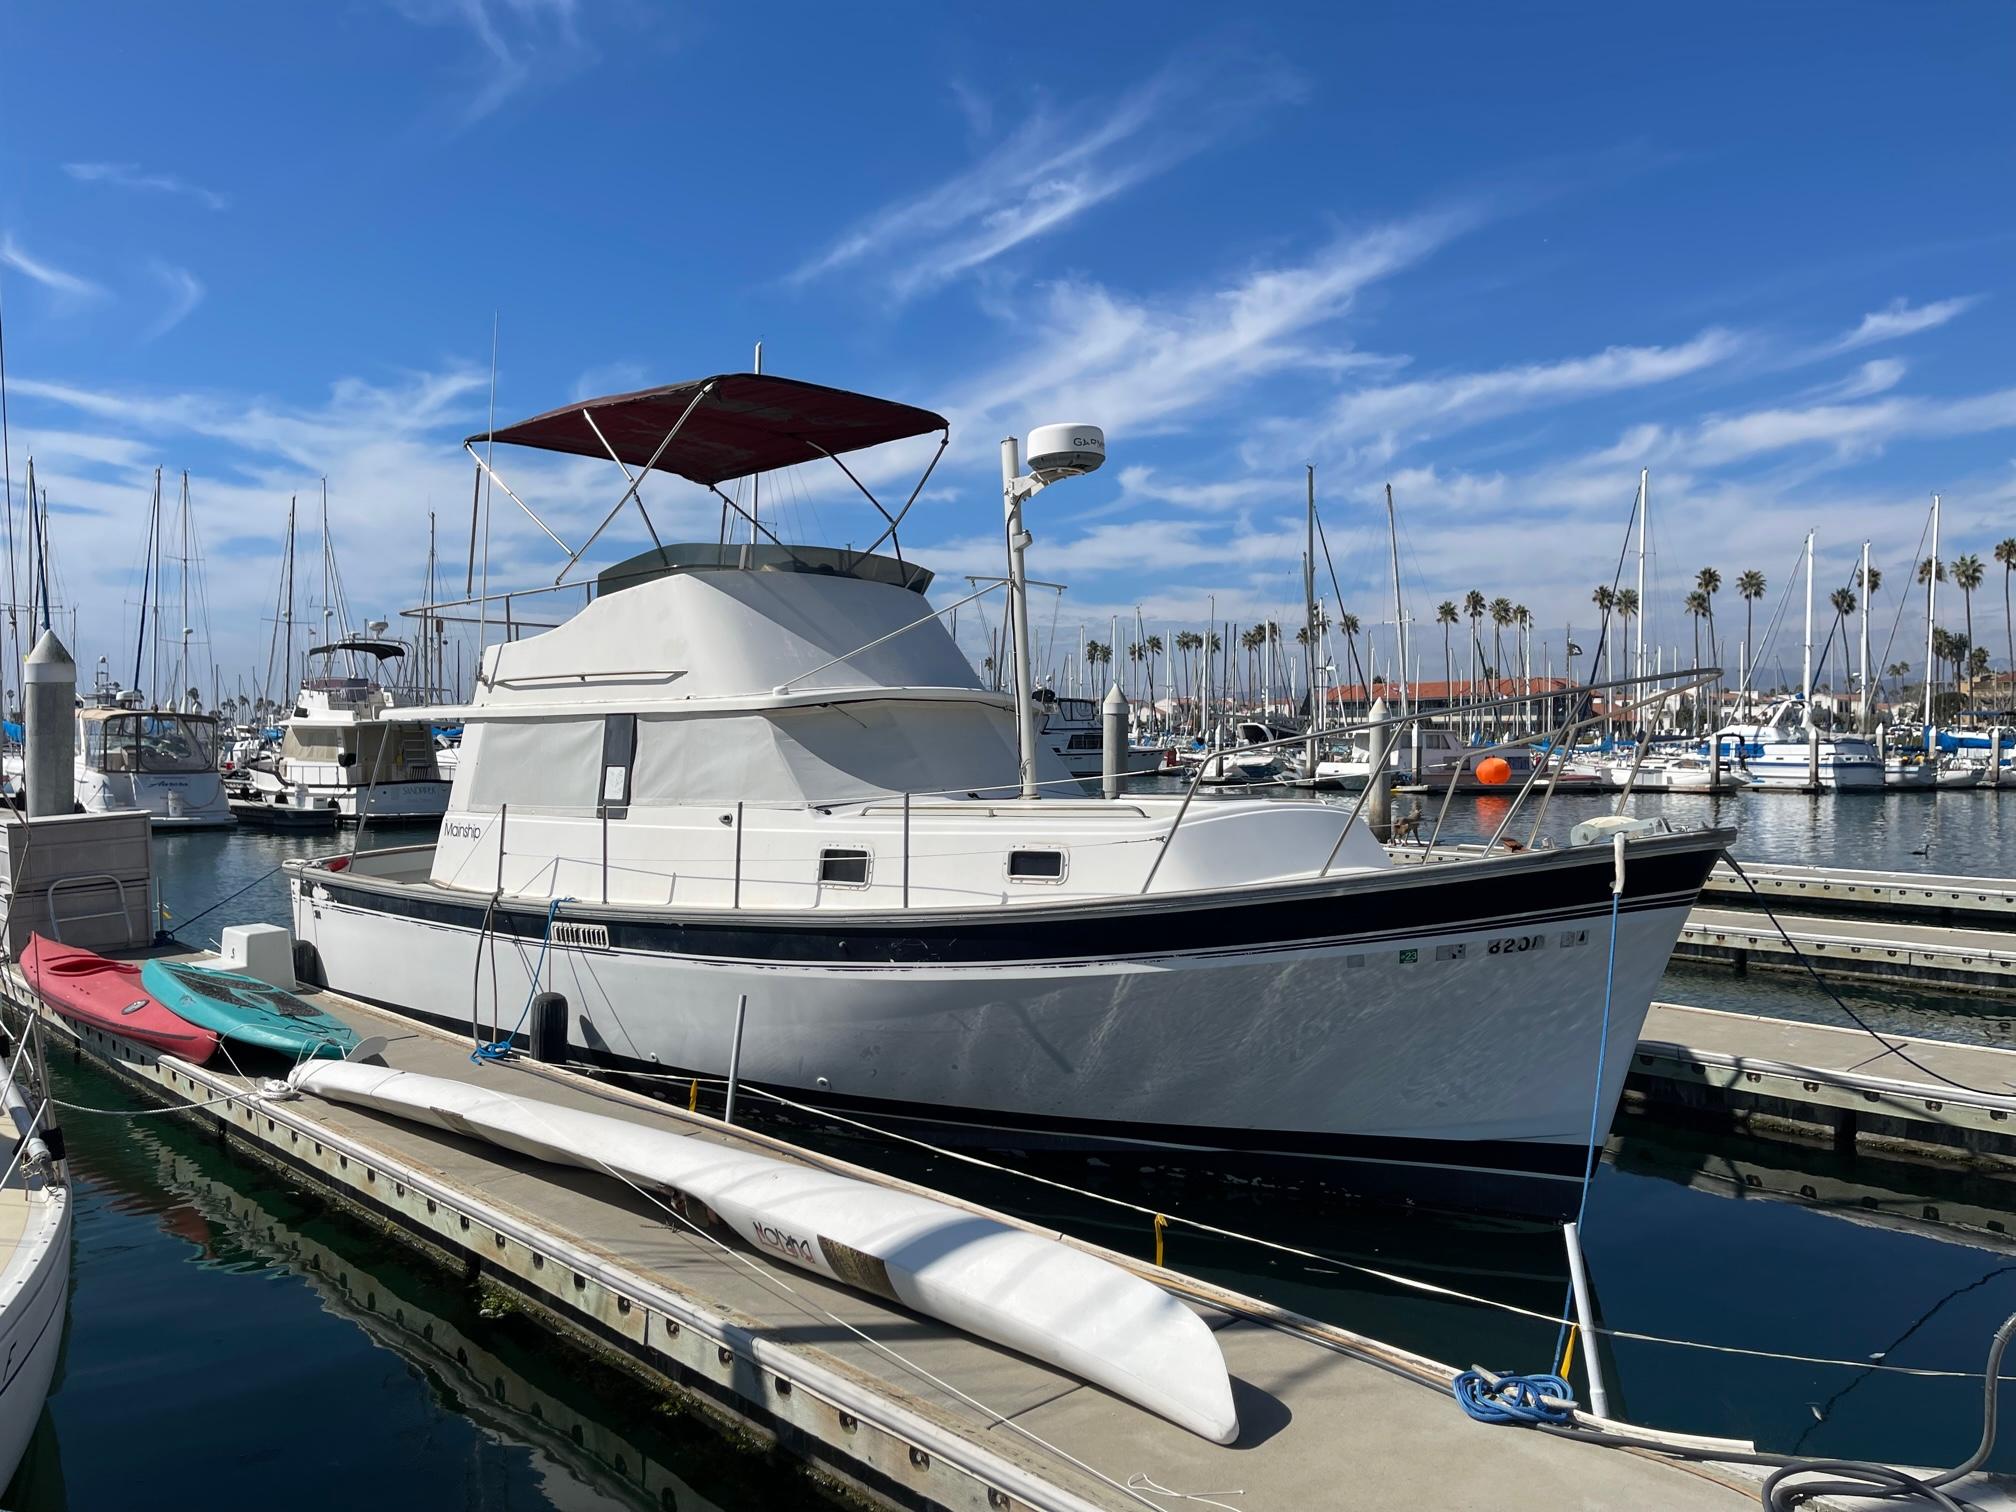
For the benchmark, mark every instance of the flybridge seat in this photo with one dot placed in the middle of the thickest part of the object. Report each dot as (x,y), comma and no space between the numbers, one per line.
(713,556)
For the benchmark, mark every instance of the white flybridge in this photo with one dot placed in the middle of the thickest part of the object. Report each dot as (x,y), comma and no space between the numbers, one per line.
(751,768)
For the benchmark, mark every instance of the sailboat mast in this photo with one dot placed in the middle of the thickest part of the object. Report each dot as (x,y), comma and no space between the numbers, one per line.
(1806,654)
(1399,619)
(1644,521)
(1931,634)
(154,666)
(289,687)
(1863,713)
(185,674)
(755,479)
(1309,618)
(147,578)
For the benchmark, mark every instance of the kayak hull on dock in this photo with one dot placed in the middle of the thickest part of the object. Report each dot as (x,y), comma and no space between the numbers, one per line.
(109,995)
(248,1011)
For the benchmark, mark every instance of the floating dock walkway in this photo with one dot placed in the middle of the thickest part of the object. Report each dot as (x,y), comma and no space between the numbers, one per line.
(1843,1084)
(923,1416)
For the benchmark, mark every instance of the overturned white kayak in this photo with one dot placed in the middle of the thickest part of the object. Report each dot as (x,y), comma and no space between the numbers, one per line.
(1017,1289)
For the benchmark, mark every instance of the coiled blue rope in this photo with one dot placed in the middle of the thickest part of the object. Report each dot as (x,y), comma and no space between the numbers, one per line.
(1513,1398)
(498,1049)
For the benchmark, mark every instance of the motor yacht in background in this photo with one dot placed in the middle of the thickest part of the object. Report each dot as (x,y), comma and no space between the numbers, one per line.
(1072,733)
(1786,751)
(161,760)
(1783,753)
(347,747)
(756,770)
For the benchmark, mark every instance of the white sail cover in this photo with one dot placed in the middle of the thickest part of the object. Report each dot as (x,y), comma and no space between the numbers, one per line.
(1014,1288)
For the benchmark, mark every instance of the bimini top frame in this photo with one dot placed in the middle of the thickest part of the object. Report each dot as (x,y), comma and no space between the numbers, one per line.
(709,430)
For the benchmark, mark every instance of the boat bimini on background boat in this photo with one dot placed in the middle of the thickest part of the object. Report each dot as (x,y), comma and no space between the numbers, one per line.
(766,770)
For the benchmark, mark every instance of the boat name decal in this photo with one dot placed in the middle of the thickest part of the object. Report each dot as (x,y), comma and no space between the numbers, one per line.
(459,831)
(788,1245)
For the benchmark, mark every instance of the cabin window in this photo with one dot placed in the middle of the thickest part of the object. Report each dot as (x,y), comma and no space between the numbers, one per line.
(619,751)
(1036,866)
(844,868)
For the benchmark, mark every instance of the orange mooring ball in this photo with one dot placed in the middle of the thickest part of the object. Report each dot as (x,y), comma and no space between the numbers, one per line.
(1493,770)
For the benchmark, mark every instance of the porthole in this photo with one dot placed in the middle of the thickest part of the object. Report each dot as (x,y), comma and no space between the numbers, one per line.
(844,868)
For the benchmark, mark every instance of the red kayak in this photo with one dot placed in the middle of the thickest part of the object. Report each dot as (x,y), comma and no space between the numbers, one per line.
(108,995)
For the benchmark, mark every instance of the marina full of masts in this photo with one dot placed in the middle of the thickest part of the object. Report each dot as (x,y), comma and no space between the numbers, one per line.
(1865,683)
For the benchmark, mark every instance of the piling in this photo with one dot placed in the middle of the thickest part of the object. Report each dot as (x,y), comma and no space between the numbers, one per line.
(1379,793)
(50,728)
(1112,740)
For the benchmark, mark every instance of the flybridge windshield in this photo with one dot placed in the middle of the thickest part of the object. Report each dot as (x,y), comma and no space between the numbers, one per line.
(149,743)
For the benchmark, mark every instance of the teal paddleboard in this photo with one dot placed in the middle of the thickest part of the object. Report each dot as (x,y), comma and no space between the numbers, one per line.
(247,1010)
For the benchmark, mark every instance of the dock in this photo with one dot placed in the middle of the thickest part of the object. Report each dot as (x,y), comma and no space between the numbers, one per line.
(1840,1085)
(894,1420)
(1969,960)
(1985,901)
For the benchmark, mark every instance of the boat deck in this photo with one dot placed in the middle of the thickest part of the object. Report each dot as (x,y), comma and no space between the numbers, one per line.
(779,1349)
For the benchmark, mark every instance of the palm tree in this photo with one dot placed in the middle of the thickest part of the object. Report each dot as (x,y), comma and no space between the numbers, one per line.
(1626,606)
(1967,575)
(1446,617)
(1927,567)
(2005,553)
(1750,585)
(1523,618)
(1698,608)
(1843,600)
(1348,623)
(1473,610)
(1154,648)
(1708,583)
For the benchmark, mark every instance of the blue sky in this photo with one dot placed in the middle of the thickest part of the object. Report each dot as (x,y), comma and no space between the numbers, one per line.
(1500,257)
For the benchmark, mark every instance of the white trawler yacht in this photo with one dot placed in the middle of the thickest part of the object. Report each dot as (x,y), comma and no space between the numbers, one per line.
(767,770)
(348,747)
(161,760)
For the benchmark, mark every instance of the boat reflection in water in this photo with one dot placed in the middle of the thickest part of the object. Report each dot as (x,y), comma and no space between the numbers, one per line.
(548,1432)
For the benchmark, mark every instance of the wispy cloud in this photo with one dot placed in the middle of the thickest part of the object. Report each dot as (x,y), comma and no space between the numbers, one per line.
(1392,416)
(1900,318)
(132,176)
(515,39)
(1051,170)
(1130,363)
(185,292)
(72,286)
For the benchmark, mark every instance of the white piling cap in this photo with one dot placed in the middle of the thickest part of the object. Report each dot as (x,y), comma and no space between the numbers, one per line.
(1115,699)
(50,661)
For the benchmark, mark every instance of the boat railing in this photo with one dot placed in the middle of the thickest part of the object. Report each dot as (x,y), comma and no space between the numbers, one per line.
(1557,740)
(1665,687)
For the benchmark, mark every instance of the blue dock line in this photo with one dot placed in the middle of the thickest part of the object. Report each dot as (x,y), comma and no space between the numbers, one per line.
(498,1049)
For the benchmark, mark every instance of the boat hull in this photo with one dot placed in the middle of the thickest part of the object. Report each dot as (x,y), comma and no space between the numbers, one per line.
(1402,1031)
(36,1280)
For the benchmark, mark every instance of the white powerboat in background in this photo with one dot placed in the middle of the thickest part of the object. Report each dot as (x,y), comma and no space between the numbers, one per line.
(347,747)
(1782,753)
(160,760)
(1073,734)
(765,770)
